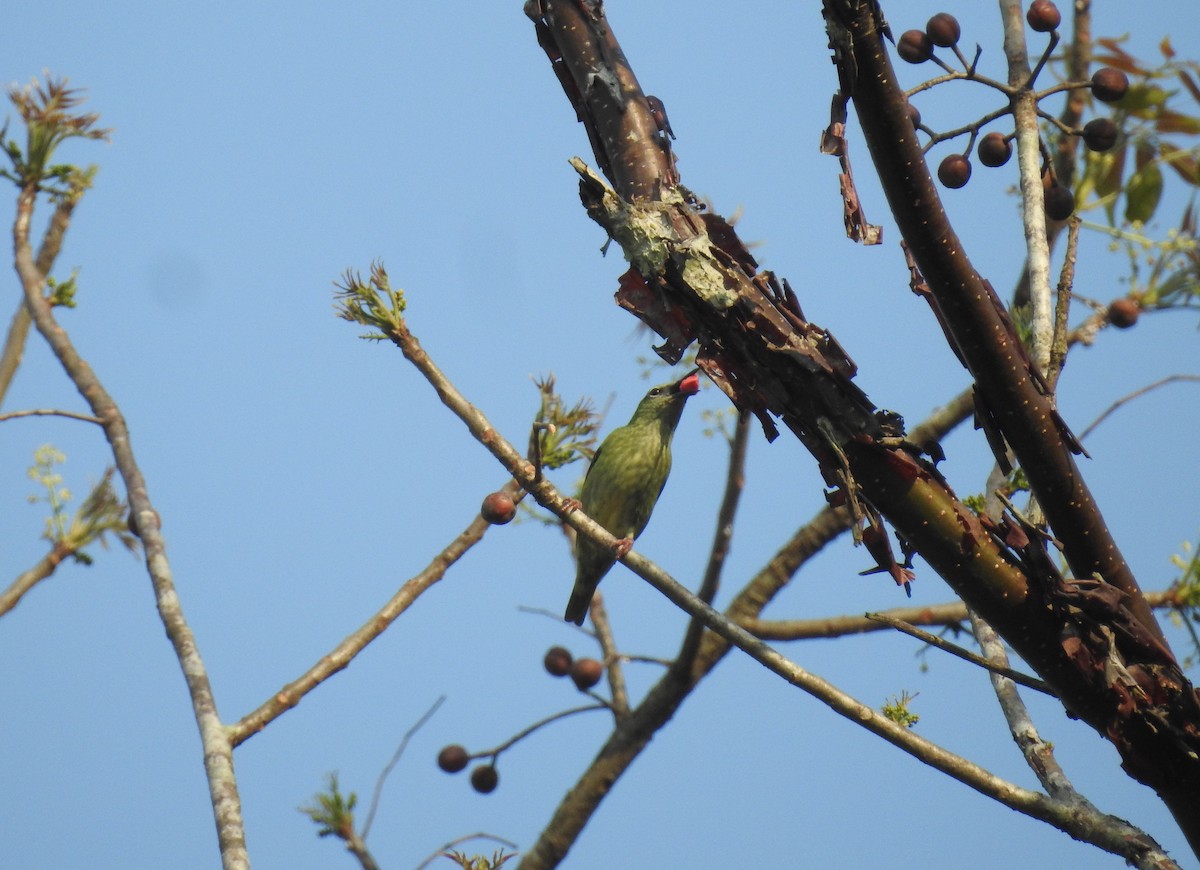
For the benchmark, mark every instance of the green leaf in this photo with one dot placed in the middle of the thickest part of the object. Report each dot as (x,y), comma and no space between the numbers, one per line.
(1143,193)
(1143,100)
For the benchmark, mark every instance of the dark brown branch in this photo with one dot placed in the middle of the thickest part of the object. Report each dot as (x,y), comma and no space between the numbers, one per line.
(693,280)
(1154,718)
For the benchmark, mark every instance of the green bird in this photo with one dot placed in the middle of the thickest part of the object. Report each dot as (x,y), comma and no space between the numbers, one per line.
(623,483)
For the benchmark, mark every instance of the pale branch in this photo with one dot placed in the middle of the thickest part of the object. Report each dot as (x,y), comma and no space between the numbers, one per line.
(18,329)
(1038,754)
(949,613)
(26,580)
(735,481)
(341,655)
(964,654)
(50,412)
(1031,803)
(1029,159)
(610,655)
(217,750)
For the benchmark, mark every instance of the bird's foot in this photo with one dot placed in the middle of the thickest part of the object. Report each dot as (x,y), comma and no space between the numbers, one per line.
(570,505)
(622,547)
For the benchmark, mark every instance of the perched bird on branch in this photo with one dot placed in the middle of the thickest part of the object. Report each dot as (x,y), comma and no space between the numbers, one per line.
(623,483)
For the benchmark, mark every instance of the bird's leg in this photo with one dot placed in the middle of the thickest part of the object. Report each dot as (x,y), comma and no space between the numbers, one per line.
(622,547)
(570,505)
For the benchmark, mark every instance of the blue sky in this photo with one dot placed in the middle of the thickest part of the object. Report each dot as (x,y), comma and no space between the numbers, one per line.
(302,475)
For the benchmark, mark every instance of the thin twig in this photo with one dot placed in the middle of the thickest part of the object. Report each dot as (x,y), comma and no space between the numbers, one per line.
(949,613)
(50,412)
(541,723)
(1059,345)
(441,851)
(965,655)
(1136,394)
(383,775)
(735,482)
(340,656)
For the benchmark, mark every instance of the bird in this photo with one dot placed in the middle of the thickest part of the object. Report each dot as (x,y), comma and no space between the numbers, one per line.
(623,483)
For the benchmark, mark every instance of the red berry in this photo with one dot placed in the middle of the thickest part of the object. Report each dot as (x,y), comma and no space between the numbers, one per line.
(1109,85)
(1100,134)
(1043,16)
(1123,313)
(484,779)
(994,149)
(453,758)
(586,673)
(557,661)
(1060,202)
(954,171)
(943,30)
(915,46)
(498,508)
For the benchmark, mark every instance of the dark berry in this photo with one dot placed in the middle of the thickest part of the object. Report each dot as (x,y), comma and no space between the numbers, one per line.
(1123,313)
(586,673)
(484,779)
(1100,134)
(1060,202)
(943,30)
(1043,16)
(1109,85)
(557,661)
(453,758)
(994,149)
(498,508)
(954,171)
(915,46)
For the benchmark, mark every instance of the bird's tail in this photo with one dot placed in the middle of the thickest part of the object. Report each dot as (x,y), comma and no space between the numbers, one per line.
(577,607)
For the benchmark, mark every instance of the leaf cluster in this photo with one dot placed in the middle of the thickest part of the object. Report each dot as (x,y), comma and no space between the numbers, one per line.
(49,120)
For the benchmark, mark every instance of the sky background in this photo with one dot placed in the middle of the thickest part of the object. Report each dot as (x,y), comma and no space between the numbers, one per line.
(302,475)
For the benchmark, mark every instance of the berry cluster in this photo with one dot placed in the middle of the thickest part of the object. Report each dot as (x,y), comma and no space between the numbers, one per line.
(585,673)
(995,149)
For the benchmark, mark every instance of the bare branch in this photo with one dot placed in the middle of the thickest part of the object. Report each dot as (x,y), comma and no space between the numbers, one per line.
(964,654)
(50,412)
(217,750)
(340,656)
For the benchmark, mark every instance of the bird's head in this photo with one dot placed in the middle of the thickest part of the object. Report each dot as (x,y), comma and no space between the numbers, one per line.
(665,402)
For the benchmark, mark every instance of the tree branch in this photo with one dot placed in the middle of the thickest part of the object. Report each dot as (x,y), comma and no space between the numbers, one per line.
(341,655)
(217,750)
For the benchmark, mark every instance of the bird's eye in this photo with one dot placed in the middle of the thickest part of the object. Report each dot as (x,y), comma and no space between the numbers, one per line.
(657,391)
